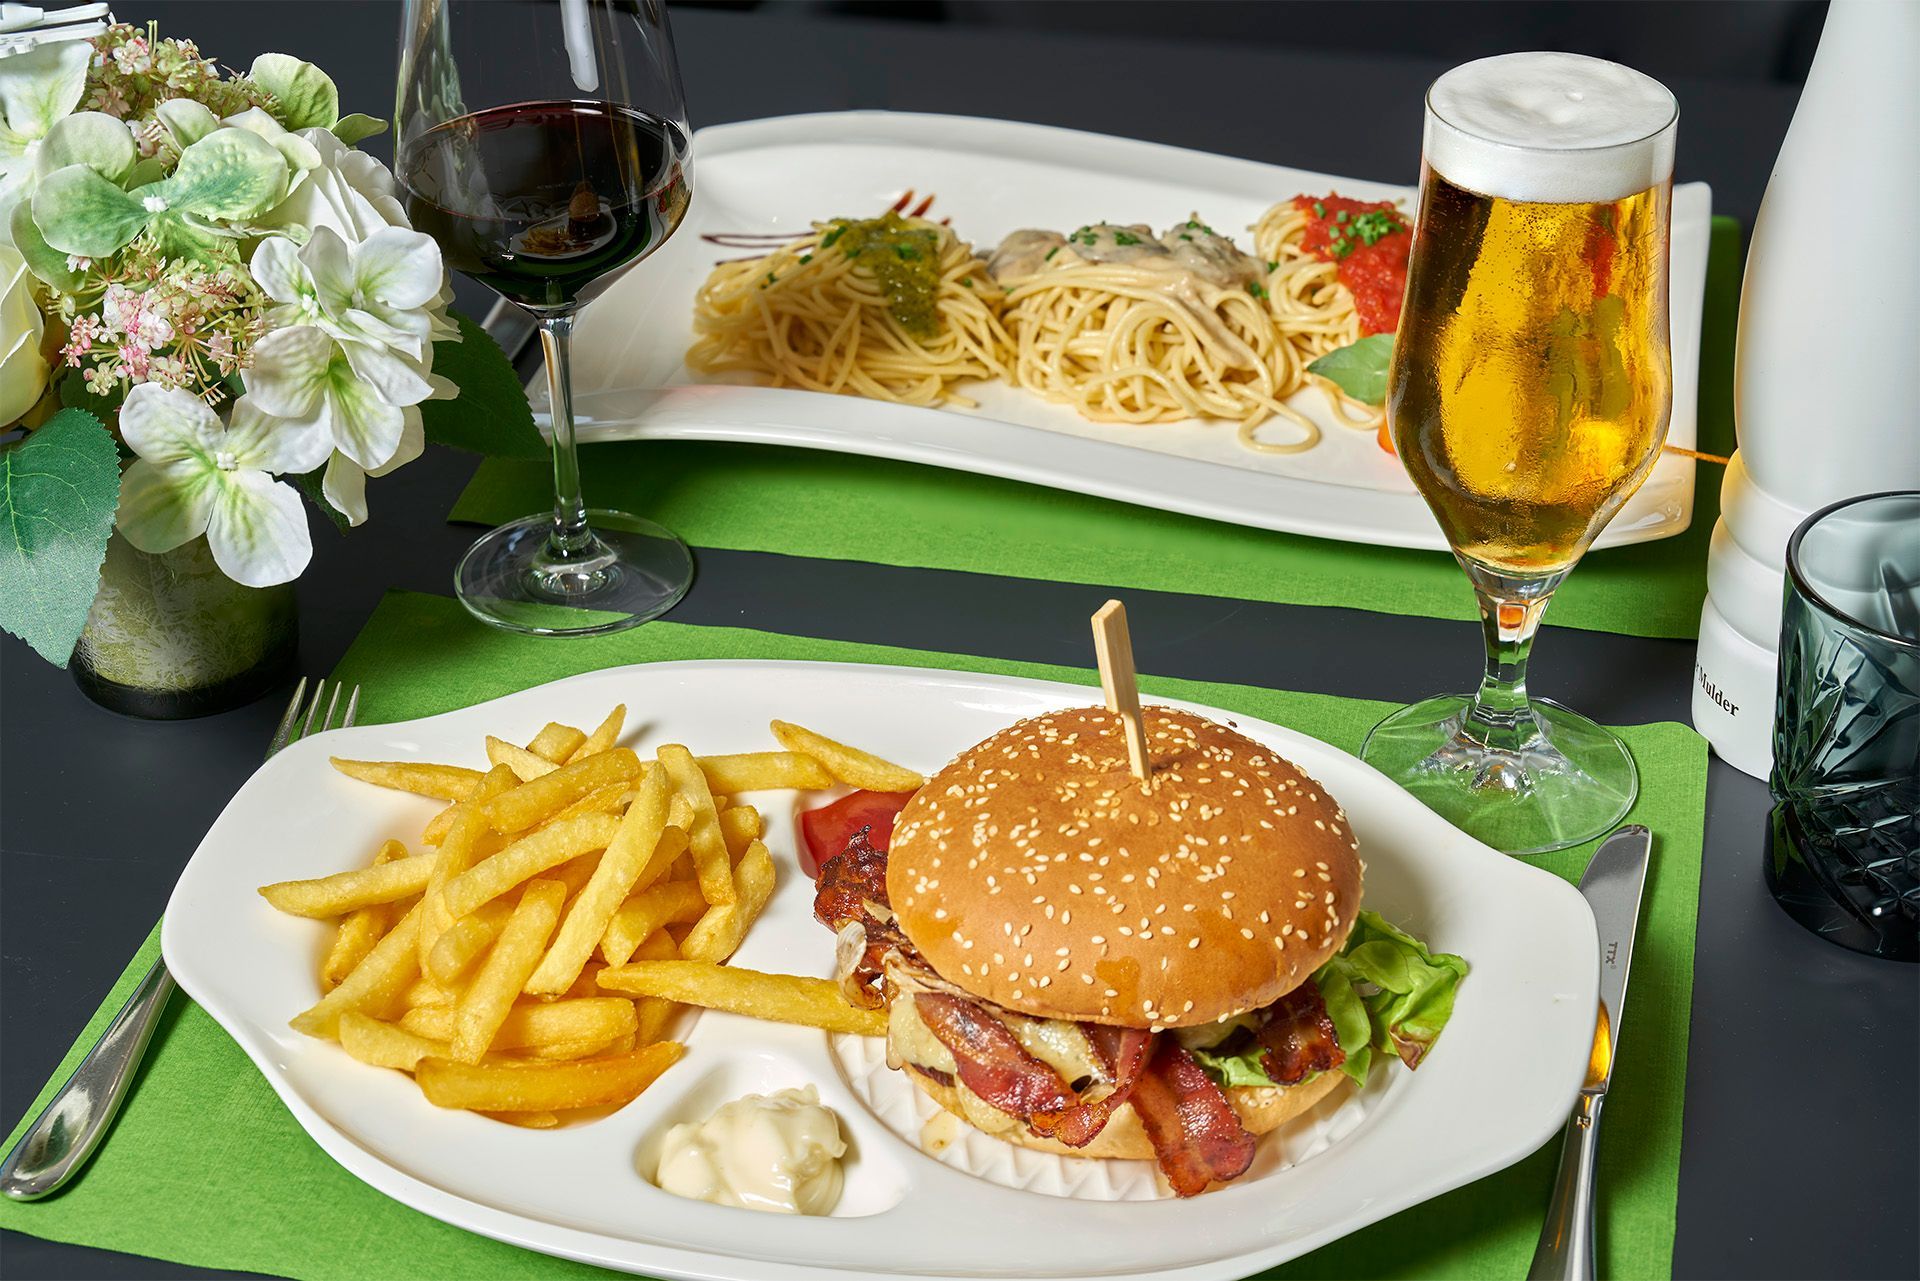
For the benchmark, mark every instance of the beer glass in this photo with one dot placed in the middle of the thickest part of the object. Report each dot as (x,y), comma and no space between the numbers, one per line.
(1528,399)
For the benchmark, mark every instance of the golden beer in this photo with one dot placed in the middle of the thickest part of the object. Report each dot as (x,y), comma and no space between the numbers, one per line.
(1531,382)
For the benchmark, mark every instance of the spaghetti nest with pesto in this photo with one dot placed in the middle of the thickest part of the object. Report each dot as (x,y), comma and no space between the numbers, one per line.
(1129,327)
(892,308)
(1336,270)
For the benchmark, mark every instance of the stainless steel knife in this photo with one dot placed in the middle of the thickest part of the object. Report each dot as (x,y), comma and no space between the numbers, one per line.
(1612,886)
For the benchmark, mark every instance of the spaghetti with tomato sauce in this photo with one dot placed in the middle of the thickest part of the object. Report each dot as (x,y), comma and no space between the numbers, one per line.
(1337,269)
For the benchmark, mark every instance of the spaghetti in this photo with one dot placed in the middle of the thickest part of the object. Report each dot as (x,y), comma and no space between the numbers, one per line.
(1128,328)
(1308,245)
(893,308)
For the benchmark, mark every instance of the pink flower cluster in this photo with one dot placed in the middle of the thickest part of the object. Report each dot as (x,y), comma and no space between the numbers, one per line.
(169,324)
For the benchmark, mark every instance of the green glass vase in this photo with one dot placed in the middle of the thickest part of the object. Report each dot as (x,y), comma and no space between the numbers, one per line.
(172,637)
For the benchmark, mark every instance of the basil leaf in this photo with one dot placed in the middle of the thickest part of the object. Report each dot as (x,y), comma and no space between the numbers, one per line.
(1359,369)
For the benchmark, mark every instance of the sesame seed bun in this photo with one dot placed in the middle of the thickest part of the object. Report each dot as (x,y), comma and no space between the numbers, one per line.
(1262,1110)
(1037,873)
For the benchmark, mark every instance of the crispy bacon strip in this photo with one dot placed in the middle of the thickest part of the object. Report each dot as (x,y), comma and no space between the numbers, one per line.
(992,1062)
(1123,1051)
(1197,1136)
(1298,1037)
(851,879)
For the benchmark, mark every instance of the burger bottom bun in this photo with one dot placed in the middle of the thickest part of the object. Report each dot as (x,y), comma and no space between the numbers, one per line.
(1262,1109)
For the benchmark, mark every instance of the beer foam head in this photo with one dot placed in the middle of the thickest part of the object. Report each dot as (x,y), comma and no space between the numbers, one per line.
(1550,127)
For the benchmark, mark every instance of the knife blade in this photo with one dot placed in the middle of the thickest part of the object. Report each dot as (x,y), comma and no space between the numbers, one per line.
(1612,886)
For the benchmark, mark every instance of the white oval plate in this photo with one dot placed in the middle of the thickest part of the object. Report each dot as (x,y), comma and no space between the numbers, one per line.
(992,177)
(1498,1085)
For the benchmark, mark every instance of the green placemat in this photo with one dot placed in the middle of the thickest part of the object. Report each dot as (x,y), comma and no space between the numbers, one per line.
(205,1167)
(845,507)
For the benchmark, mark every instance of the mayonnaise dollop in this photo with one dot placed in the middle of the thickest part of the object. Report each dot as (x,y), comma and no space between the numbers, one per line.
(774,1152)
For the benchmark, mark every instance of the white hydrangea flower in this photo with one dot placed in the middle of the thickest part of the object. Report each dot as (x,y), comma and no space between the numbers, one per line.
(371,298)
(303,377)
(345,483)
(351,194)
(196,476)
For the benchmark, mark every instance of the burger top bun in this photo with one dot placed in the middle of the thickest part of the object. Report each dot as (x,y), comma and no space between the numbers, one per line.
(1037,873)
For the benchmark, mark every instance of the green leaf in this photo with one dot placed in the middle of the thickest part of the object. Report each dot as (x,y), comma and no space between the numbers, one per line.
(353,128)
(43,260)
(491,415)
(1411,988)
(230,174)
(58,491)
(88,138)
(1243,1068)
(305,96)
(79,212)
(1352,1026)
(1359,369)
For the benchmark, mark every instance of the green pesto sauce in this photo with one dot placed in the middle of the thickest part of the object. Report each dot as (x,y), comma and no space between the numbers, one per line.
(902,258)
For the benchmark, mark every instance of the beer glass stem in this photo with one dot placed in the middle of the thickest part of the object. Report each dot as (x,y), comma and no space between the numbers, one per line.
(1500,717)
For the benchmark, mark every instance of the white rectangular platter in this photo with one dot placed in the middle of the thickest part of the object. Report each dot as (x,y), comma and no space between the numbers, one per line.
(1497,1085)
(992,177)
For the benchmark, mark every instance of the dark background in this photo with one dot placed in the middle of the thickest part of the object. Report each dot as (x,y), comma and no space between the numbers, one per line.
(1799,1144)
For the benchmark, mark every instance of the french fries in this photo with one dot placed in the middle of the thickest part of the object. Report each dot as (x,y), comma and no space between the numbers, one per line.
(526,765)
(627,856)
(566,903)
(483,1007)
(763,771)
(717,934)
(600,1020)
(604,736)
(448,782)
(669,903)
(384,1045)
(782,998)
(545,1087)
(556,742)
(522,807)
(360,930)
(373,984)
(344,892)
(848,764)
(464,941)
(704,841)
(527,857)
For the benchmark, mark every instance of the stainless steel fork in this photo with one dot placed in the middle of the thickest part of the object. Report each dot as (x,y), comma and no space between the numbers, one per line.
(70,1127)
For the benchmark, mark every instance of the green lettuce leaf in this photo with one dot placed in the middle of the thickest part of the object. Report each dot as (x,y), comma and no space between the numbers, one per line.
(1406,989)
(1386,991)
(1233,1069)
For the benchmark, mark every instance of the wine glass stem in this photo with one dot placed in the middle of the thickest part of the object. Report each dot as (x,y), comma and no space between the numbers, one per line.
(1510,612)
(570,540)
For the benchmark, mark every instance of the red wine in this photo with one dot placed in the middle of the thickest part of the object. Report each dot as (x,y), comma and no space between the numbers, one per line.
(547,203)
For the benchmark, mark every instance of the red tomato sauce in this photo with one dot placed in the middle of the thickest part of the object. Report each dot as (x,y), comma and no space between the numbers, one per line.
(1375,273)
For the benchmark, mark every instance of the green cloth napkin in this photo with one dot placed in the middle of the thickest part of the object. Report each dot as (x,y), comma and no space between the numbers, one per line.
(832,506)
(205,1167)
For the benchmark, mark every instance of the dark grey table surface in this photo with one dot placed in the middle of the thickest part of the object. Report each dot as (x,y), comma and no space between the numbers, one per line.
(1802,1095)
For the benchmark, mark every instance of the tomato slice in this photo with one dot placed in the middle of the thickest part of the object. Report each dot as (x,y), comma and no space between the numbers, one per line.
(825,832)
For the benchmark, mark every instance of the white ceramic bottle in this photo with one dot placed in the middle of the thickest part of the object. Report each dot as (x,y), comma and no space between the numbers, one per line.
(1829,348)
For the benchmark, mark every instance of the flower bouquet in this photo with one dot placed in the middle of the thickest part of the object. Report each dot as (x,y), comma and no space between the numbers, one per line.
(215,313)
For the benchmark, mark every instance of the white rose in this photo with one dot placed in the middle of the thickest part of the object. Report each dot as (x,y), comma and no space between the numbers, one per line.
(23,370)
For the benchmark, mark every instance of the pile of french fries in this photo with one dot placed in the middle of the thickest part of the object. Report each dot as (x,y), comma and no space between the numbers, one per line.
(562,908)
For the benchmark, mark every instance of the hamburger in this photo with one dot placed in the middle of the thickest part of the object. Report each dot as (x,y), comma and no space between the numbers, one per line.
(1076,960)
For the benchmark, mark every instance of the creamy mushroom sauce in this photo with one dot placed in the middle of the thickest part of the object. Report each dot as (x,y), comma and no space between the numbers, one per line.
(1191,265)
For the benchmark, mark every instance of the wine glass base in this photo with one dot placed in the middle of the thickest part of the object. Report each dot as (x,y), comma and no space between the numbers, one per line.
(1570,782)
(635,572)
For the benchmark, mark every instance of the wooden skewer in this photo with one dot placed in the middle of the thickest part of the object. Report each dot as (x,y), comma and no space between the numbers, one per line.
(1114,647)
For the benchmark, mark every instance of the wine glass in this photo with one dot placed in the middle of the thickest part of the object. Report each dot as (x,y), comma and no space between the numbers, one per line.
(543,144)
(1528,397)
